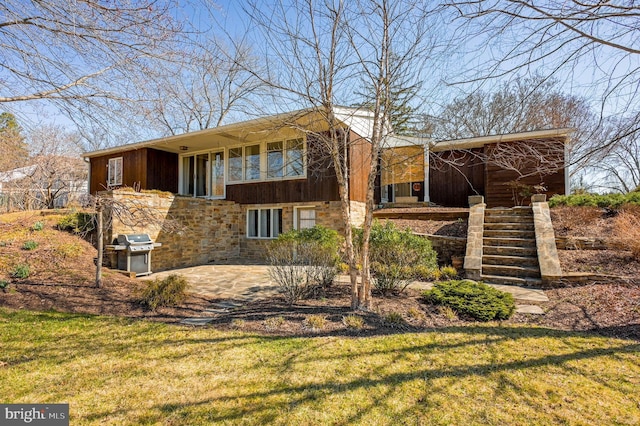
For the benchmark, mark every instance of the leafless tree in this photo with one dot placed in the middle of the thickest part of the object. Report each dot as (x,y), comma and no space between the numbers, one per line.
(201,87)
(320,55)
(618,167)
(588,46)
(60,49)
(131,212)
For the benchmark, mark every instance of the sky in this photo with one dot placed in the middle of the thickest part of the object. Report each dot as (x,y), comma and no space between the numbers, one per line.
(448,72)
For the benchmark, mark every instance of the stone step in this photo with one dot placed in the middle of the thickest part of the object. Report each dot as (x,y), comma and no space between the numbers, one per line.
(508,219)
(509,233)
(520,226)
(520,211)
(501,280)
(511,242)
(511,271)
(508,251)
(510,260)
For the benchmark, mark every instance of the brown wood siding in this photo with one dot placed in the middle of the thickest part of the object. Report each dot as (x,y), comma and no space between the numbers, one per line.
(321,184)
(149,168)
(360,164)
(499,192)
(456,177)
(162,170)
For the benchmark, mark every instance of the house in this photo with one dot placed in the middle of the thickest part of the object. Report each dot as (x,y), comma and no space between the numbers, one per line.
(506,169)
(237,186)
(49,181)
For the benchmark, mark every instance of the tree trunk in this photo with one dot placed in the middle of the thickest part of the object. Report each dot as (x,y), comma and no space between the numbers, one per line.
(100,225)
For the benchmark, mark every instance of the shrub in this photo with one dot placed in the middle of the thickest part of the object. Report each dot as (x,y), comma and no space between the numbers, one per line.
(477,300)
(394,319)
(76,223)
(4,284)
(315,322)
(304,262)
(448,273)
(30,245)
(274,323)
(169,291)
(38,226)
(21,271)
(610,201)
(627,232)
(354,322)
(396,256)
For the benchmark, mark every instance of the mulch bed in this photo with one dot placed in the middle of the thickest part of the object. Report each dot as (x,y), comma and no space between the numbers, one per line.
(610,308)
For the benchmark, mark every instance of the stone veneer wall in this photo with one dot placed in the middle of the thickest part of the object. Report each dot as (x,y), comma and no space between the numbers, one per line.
(328,214)
(209,229)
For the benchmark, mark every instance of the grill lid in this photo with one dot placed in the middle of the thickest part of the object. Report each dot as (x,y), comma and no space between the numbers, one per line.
(134,239)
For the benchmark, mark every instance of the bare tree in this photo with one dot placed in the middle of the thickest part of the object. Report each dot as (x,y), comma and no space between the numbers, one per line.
(589,46)
(318,56)
(619,165)
(526,104)
(201,87)
(59,49)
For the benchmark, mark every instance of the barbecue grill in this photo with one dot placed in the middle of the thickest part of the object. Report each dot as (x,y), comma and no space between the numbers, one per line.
(134,253)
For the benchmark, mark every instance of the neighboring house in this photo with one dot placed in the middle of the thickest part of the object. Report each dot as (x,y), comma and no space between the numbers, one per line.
(237,186)
(48,182)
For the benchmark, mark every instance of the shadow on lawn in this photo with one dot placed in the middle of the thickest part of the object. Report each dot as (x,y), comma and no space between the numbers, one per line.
(381,383)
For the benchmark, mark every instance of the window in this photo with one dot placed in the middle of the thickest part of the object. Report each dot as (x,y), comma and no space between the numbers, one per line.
(217,174)
(264,223)
(235,164)
(305,217)
(275,157)
(252,162)
(295,157)
(114,172)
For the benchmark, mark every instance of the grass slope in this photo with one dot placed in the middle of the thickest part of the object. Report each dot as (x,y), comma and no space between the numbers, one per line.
(118,371)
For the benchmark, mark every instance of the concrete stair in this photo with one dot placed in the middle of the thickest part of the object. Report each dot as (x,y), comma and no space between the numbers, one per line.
(509,255)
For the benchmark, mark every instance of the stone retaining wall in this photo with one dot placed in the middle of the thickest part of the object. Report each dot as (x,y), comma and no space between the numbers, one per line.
(447,247)
(206,230)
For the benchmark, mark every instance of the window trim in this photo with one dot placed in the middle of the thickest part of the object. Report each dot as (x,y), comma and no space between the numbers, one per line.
(273,219)
(111,169)
(264,161)
(296,215)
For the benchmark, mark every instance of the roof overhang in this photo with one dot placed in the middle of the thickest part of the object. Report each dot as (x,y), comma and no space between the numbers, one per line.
(285,125)
(479,142)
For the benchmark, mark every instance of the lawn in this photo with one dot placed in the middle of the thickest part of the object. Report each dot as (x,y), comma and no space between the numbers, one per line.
(120,371)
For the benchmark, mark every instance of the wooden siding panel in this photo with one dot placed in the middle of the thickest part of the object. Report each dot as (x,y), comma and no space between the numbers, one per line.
(133,170)
(498,191)
(321,184)
(162,170)
(454,176)
(360,164)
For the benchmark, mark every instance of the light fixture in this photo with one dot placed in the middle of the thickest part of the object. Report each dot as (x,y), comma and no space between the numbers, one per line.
(183,147)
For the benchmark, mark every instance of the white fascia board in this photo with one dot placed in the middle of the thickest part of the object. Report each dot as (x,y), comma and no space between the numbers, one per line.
(481,141)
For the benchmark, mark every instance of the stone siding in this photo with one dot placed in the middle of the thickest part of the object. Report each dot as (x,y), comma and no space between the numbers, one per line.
(328,214)
(206,230)
(447,247)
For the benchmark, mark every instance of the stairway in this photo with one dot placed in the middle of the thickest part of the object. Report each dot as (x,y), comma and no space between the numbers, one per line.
(509,254)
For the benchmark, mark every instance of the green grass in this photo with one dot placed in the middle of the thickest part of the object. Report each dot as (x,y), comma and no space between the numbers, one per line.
(117,371)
